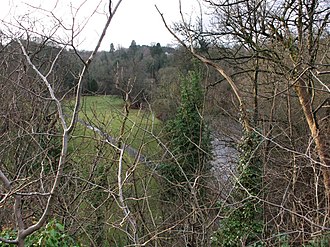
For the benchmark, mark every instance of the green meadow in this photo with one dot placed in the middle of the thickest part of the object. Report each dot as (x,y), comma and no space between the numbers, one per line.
(107,114)
(89,152)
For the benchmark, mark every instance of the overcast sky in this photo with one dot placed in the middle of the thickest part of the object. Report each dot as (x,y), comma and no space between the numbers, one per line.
(135,20)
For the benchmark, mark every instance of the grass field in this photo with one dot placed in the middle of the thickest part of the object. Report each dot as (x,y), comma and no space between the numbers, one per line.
(91,154)
(107,114)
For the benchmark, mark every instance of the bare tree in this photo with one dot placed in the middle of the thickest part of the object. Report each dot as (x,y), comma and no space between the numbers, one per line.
(44,76)
(272,53)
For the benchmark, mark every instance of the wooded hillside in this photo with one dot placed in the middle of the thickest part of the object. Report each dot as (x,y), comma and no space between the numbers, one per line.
(222,140)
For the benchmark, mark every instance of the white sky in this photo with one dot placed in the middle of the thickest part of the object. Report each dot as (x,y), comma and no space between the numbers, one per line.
(135,20)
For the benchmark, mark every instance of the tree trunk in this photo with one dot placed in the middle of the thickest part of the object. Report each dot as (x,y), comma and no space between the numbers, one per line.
(318,136)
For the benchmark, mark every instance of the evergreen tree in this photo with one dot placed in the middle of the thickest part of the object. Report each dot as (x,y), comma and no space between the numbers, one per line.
(112,48)
(189,136)
(92,86)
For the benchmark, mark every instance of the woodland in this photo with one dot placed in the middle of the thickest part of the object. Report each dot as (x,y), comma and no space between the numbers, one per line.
(221,140)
